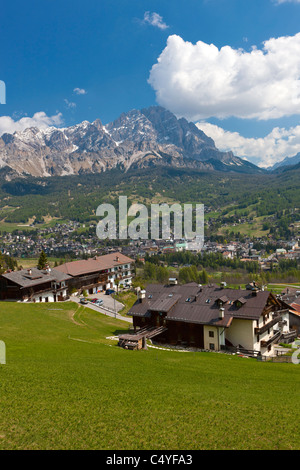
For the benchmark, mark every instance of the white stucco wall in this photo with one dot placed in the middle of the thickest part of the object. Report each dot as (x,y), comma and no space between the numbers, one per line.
(50,296)
(218,340)
(241,332)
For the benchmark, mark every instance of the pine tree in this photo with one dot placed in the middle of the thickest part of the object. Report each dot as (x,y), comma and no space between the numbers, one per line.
(43,261)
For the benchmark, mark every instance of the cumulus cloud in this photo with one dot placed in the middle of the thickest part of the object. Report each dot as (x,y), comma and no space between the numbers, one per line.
(279,2)
(69,104)
(80,91)
(39,120)
(154,19)
(264,152)
(199,80)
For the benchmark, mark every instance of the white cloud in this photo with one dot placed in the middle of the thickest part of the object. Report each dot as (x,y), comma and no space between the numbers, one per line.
(155,20)
(265,151)
(279,2)
(80,91)
(199,80)
(39,120)
(69,104)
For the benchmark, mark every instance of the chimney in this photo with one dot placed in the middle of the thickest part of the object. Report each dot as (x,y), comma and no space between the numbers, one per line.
(47,269)
(29,272)
(221,313)
(142,295)
(117,258)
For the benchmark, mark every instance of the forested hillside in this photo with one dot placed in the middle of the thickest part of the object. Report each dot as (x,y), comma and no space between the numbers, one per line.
(233,196)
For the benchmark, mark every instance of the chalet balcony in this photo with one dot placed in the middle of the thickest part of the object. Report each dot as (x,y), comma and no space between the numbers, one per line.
(89,280)
(264,328)
(289,337)
(275,337)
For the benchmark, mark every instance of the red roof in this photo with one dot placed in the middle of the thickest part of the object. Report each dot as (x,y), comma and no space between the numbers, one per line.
(92,265)
(296,307)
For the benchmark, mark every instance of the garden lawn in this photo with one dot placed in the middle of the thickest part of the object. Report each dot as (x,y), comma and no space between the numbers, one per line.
(66,386)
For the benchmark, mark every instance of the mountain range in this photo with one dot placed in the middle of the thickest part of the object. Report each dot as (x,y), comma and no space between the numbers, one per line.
(149,137)
(286,162)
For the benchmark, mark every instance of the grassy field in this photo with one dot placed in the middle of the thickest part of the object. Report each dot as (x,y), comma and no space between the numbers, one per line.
(277,288)
(128,298)
(66,386)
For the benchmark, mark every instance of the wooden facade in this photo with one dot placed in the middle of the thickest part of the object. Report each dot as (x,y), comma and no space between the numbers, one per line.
(34,285)
(211,317)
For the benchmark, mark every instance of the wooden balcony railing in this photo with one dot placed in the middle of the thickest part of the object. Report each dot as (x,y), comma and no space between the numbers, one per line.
(275,337)
(240,350)
(264,328)
(291,335)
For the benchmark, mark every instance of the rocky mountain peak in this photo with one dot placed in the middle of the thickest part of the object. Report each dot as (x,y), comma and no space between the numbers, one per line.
(138,138)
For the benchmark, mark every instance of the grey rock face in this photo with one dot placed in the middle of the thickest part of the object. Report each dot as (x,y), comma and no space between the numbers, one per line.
(139,139)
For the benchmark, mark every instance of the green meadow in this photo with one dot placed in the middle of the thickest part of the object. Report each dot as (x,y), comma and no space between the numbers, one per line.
(67,386)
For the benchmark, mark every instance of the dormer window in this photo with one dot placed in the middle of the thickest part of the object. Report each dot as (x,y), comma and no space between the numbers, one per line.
(240,302)
(222,301)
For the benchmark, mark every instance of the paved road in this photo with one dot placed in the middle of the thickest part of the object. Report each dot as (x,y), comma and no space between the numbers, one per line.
(102,310)
(108,301)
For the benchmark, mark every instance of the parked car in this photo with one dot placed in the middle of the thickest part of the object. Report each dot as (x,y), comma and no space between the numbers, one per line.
(83,301)
(99,302)
(94,301)
(109,291)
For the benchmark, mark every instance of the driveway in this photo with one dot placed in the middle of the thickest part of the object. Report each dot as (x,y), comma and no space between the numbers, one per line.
(107,307)
(108,301)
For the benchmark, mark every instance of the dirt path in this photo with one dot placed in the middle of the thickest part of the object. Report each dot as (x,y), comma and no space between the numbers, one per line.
(72,317)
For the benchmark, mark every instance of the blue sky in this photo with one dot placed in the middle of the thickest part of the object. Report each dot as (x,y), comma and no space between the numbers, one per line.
(222,63)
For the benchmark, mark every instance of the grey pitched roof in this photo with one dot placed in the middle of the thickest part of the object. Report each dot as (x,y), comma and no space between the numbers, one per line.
(165,302)
(24,278)
(202,306)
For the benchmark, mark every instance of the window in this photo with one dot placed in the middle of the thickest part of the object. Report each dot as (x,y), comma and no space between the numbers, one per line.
(211,334)
(211,346)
